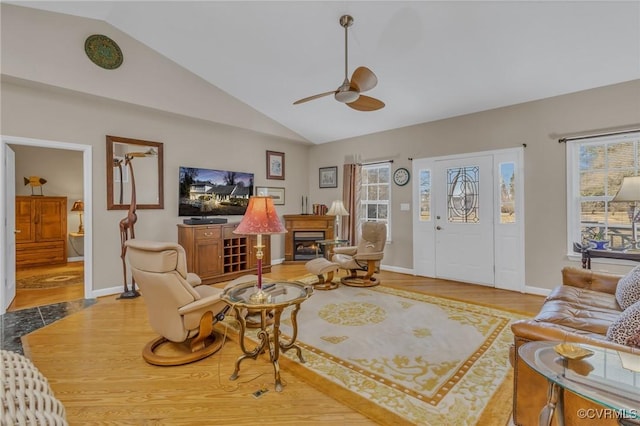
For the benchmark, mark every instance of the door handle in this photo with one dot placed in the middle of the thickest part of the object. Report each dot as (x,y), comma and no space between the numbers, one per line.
(438,227)
(17,231)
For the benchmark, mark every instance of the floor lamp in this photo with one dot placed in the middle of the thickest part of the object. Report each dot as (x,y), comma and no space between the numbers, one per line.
(630,192)
(338,210)
(260,219)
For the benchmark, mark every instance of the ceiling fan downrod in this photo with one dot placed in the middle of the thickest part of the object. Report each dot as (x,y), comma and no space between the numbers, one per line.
(344,93)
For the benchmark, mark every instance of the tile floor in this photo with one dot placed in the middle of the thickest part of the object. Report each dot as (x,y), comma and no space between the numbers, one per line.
(19,323)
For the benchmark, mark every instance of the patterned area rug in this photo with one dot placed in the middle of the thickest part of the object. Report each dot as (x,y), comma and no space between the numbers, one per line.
(426,360)
(64,277)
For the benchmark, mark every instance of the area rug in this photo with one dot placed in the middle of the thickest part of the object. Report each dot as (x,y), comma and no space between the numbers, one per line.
(423,359)
(63,277)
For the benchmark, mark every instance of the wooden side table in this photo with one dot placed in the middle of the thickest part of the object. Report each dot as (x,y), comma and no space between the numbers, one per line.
(281,296)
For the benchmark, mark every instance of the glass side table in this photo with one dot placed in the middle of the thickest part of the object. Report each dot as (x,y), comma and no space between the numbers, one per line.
(600,378)
(280,296)
(327,244)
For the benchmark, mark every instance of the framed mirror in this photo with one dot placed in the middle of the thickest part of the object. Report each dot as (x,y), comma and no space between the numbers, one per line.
(134,167)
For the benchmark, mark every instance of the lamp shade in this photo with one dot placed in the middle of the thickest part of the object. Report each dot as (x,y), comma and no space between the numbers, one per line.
(260,218)
(78,206)
(629,190)
(337,209)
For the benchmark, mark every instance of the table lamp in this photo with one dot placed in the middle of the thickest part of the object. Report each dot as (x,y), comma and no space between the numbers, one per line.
(630,191)
(78,206)
(337,209)
(260,219)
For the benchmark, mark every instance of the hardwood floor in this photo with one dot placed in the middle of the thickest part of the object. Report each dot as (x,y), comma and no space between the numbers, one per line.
(28,298)
(94,365)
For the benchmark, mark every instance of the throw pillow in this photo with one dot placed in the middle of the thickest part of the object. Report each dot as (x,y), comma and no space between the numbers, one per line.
(634,341)
(626,326)
(628,289)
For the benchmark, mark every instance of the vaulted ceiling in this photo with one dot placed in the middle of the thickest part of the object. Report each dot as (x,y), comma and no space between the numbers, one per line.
(433,60)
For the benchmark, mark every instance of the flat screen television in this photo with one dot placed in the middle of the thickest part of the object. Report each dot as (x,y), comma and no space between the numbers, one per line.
(208,192)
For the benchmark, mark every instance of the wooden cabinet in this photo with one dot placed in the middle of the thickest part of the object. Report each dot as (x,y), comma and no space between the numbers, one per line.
(41,223)
(216,254)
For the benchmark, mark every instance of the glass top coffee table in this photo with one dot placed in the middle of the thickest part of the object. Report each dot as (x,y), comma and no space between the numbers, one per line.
(327,244)
(600,377)
(280,295)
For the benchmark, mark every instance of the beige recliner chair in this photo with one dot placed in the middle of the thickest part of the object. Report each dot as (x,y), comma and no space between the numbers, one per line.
(366,256)
(180,311)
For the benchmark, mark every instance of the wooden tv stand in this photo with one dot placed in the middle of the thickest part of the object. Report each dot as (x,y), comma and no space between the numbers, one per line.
(216,254)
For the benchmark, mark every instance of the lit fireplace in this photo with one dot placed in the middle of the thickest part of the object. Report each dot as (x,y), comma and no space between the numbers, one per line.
(304,244)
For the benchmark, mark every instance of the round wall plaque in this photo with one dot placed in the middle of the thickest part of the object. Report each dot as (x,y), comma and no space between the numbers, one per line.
(103,51)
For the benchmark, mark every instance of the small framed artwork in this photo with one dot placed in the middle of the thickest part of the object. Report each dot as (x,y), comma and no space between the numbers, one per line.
(275,165)
(268,191)
(328,177)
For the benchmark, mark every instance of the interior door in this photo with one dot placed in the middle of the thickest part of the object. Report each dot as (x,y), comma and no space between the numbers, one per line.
(464,219)
(9,288)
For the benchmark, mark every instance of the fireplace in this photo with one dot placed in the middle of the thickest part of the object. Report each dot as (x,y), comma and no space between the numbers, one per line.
(302,233)
(304,245)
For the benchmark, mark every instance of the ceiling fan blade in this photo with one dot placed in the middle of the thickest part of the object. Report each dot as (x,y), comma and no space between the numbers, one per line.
(366,103)
(363,79)
(310,98)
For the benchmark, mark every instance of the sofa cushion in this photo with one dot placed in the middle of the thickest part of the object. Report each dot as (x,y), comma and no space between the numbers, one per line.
(582,318)
(626,326)
(585,297)
(628,289)
(634,340)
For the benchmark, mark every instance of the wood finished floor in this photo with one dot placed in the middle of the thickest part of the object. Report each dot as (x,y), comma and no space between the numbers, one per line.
(28,298)
(92,360)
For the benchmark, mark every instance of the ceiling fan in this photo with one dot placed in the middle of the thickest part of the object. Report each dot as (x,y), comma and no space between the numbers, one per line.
(349,92)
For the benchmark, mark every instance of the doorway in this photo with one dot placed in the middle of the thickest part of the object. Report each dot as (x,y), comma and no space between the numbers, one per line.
(7,205)
(469,218)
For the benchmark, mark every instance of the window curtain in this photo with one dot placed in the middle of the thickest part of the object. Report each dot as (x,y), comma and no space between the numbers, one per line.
(351,199)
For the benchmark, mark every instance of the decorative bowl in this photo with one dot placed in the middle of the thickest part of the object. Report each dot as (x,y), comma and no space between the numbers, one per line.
(571,351)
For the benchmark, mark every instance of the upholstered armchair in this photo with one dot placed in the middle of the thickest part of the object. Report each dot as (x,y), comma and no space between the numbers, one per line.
(182,313)
(366,256)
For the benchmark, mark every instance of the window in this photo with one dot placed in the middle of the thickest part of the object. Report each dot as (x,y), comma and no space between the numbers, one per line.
(375,194)
(507,193)
(596,168)
(425,195)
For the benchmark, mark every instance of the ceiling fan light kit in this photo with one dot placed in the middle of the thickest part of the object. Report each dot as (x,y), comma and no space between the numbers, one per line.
(349,92)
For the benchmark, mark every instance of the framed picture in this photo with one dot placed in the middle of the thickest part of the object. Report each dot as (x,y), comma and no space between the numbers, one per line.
(328,177)
(276,193)
(275,165)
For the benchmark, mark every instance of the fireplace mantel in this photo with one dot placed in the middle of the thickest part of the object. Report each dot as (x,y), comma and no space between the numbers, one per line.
(305,222)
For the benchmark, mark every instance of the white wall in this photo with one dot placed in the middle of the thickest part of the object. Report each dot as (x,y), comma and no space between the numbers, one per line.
(48,47)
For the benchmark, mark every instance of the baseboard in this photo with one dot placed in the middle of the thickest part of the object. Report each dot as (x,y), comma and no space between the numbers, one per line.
(277,261)
(538,291)
(397,269)
(107,291)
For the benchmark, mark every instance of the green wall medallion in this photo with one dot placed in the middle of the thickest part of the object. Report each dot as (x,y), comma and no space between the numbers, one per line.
(103,51)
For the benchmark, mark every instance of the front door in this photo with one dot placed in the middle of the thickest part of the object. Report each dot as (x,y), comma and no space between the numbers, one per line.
(464,219)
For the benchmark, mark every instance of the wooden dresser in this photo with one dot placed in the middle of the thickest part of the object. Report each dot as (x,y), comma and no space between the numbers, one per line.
(216,254)
(41,225)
